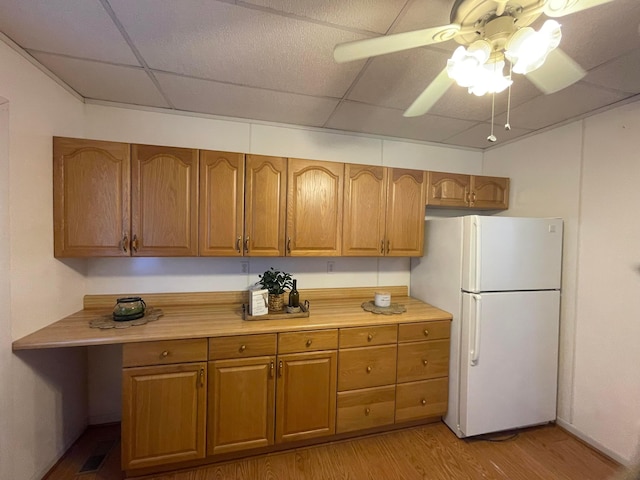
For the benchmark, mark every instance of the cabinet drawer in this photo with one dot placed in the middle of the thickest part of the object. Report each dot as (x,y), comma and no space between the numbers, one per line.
(366,367)
(368,408)
(310,341)
(241,346)
(423,360)
(424,399)
(414,332)
(368,336)
(164,352)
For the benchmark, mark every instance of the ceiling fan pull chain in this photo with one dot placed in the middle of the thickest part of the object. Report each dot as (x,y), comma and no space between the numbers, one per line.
(507,126)
(492,138)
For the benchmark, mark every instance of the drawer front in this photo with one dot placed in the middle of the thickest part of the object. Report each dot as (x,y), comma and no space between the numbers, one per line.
(360,409)
(366,367)
(164,352)
(241,346)
(415,332)
(424,399)
(423,360)
(310,341)
(368,336)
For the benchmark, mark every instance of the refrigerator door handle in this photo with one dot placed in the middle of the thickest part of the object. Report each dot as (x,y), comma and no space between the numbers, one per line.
(475,262)
(475,351)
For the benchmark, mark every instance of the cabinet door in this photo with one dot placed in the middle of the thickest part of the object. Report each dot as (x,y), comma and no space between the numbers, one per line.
(163,414)
(221,203)
(490,192)
(164,201)
(265,206)
(305,396)
(365,200)
(314,208)
(241,404)
(90,198)
(448,189)
(405,212)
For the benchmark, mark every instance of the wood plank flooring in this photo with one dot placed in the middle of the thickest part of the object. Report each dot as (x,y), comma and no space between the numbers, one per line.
(429,452)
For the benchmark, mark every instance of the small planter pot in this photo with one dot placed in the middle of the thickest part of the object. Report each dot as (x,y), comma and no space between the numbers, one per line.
(276,302)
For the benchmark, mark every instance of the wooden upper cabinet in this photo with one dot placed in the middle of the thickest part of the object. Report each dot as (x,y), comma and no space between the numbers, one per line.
(265,206)
(91,206)
(164,201)
(490,192)
(405,212)
(468,191)
(314,207)
(448,189)
(221,203)
(365,208)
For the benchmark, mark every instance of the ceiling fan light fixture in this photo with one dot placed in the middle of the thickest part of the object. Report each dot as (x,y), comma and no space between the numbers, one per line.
(466,64)
(490,79)
(527,49)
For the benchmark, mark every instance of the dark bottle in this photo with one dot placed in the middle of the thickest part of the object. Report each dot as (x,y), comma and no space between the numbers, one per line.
(294,296)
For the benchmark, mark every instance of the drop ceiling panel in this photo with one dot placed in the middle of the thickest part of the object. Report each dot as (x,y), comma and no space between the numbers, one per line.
(368,15)
(79,28)
(563,105)
(425,14)
(217,98)
(360,117)
(620,74)
(224,42)
(103,81)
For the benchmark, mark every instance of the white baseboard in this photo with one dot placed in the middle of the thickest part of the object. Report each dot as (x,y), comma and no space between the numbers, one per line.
(593,443)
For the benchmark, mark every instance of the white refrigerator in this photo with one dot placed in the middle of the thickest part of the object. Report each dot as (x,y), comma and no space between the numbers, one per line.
(500,279)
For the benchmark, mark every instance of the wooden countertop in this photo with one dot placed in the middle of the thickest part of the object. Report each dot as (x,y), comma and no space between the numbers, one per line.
(214,314)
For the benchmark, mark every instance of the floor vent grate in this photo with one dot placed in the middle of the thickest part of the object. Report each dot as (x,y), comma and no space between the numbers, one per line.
(95,461)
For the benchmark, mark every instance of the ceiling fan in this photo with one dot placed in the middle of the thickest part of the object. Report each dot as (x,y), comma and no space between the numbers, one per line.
(491,31)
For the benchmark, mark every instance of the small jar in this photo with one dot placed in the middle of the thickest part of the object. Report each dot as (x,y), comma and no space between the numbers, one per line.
(129,308)
(382,299)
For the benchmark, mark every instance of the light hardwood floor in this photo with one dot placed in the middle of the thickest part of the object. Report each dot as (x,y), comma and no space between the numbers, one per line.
(429,452)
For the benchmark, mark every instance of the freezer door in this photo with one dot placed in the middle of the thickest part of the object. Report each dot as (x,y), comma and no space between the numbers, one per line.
(511,253)
(509,360)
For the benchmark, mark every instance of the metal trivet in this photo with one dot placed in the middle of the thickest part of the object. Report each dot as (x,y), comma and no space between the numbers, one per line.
(106,321)
(370,306)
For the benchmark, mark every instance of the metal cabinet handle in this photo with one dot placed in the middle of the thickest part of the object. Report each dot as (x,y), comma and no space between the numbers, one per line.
(388,246)
(124,244)
(164,354)
(367,411)
(246,244)
(280,367)
(423,402)
(289,244)
(238,240)
(473,198)
(202,377)
(243,348)
(369,337)
(382,246)
(426,332)
(134,243)
(309,343)
(425,362)
(271,368)
(369,369)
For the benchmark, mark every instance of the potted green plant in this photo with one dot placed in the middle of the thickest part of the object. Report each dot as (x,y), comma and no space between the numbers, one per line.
(276,282)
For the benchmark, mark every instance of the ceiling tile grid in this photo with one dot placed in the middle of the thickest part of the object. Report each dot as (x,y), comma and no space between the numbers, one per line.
(272,60)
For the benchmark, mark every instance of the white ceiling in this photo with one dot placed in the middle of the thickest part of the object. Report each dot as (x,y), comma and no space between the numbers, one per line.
(272,60)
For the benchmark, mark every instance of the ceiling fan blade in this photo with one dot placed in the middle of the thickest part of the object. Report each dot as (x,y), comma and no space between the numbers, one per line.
(557,72)
(560,8)
(372,47)
(430,96)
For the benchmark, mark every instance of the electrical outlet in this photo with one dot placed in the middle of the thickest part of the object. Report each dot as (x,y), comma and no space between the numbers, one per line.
(244,267)
(330,266)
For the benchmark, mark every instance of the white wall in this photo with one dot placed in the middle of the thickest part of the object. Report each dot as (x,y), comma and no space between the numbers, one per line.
(143,275)
(42,393)
(587,172)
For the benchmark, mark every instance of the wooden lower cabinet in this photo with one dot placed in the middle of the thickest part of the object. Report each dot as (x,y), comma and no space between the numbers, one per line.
(241,404)
(164,414)
(366,408)
(306,396)
(424,399)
